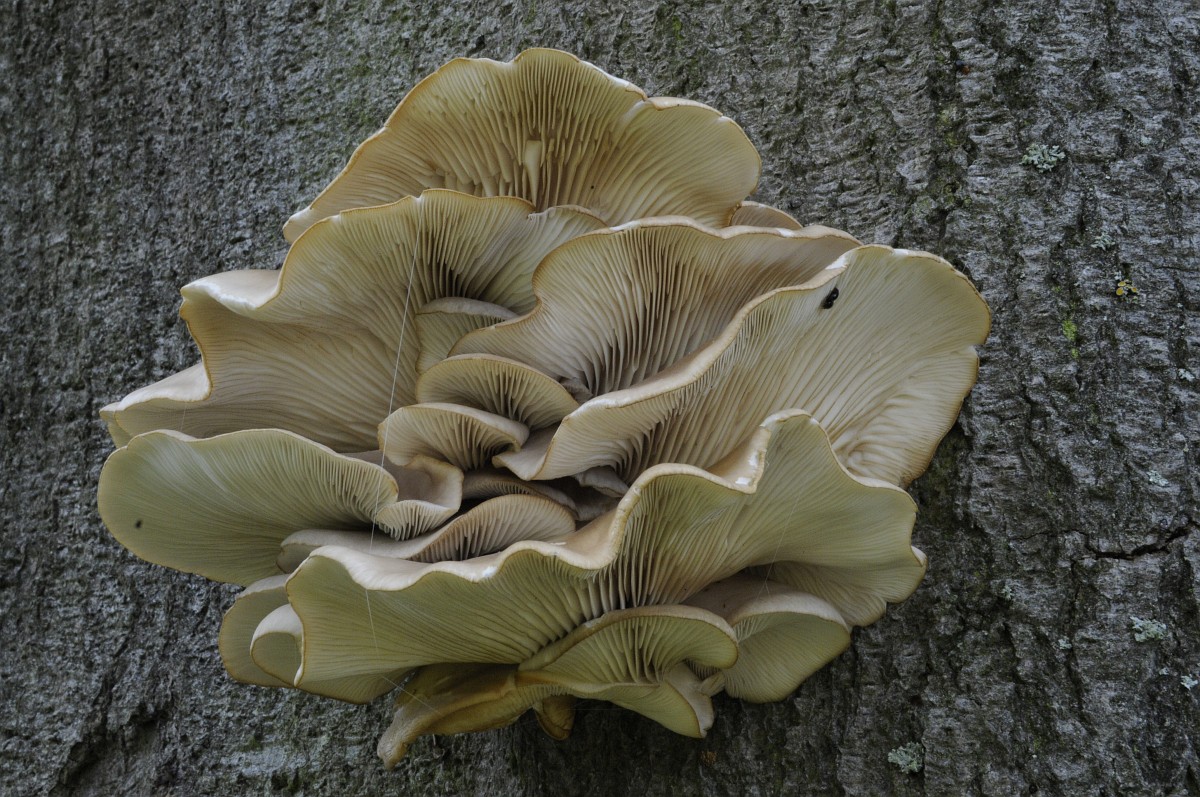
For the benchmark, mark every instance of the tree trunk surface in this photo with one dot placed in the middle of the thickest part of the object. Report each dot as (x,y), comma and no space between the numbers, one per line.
(147,144)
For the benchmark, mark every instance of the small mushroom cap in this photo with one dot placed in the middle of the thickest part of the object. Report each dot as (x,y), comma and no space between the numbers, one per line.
(784,635)
(443,321)
(556,716)
(327,346)
(880,349)
(678,529)
(221,506)
(276,649)
(277,642)
(491,483)
(454,698)
(756,214)
(295,548)
(634,658)
(430,492)
(484,529)
(249,609)
(584,502)
(499,385)
(556,131)
(617,306)
(465,437)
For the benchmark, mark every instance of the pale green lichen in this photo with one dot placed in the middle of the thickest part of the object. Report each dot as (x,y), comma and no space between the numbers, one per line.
(910,758)
(1042,157)
(1071,333)
(1064,643)
(1069,330)
(1147,630)
(1156,478)
(1103,242)
(1188,682)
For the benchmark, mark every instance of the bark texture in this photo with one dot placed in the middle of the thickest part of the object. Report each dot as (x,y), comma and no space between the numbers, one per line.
(146,144)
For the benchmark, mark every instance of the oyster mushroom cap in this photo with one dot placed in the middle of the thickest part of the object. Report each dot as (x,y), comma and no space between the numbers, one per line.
(277,649)
(783,635)
(443,321)
(498,385)
(451,298)
(678,529)
(220,507)
(634,658)
(879,348)
(491,483)
(329,344)
(617,306)
(553,130)
(463,436)
(487,528)
(756,214)
(249,609)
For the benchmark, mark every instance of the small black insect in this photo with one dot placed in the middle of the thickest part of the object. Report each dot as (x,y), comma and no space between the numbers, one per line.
(962,67)
(830,299)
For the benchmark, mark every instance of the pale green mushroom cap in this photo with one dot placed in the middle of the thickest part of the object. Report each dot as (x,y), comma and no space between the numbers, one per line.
(277,649)
(499,385)
(261,642)
(879,348)
(463,436)
(617,306)
(726,398)
(635,658)
(484,529)
(756,214)
(783,635)
(249,609)
(441,322)
(330,344)
(679,529)
(220,507)
(555,131)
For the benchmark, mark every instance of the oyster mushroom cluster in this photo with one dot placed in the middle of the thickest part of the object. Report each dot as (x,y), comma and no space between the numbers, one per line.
(539,408)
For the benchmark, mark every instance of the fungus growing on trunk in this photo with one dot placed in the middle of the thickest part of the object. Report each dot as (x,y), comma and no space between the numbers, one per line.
(482,444)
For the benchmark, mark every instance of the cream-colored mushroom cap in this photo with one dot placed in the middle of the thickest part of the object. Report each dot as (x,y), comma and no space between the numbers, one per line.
(554,130)
(679,529)
(443,321)
(460,435)
(498,385)
(277,649)
(221,506)
(784,635)
(491,526)
(261,642)
(237,629)
(328,345)
(617,306)
(540,408)
(756,214)
(635,658)
(879,348)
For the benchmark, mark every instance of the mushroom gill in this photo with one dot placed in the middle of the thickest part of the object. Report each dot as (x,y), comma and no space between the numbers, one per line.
(555,131)
(538,409)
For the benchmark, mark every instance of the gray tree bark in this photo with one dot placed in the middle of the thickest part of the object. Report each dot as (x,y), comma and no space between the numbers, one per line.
(147,144)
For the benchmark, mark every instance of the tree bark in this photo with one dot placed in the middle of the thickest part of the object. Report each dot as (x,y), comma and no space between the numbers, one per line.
(148,144)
